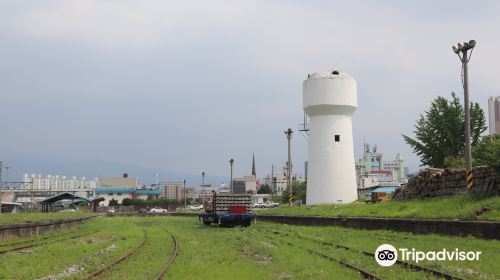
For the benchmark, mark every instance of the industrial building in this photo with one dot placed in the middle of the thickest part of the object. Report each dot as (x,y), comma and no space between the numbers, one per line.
(373,163)
(373,172)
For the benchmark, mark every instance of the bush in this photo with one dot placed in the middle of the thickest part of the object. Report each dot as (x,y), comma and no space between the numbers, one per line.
(113,202)
(488,153)
(299,190)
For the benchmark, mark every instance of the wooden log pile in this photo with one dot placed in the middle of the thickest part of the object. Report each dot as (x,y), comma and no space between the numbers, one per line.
(434,182)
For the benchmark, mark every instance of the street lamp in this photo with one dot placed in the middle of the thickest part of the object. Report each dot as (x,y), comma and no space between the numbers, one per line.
(184,184)
(231,162)
(289,133)
(203,187)
(6,176)
(461,51)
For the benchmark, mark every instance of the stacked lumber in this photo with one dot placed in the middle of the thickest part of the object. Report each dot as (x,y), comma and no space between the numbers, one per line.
(434,182)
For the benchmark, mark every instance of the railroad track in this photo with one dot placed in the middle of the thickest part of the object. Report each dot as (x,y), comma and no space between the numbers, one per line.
(171,259)
(117,261)
(405,265)
(47,241)
(165,268)
(364,273)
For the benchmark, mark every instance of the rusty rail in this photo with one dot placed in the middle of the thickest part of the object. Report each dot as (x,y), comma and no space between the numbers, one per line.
(40,243)
(117,261)
(171,259)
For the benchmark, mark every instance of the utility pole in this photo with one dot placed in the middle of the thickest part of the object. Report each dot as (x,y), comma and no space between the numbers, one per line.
(273,183)
(184,185)
(289,133)
(461,50)
(231,162)
(32,186)
(203,187)
(6,176)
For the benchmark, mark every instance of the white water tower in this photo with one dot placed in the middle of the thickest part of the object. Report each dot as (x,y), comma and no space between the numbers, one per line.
(330,99)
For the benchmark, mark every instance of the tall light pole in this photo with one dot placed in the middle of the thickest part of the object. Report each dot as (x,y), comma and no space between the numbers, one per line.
(203,187)
(156,175)
(289,133)
(231,162)
(273,183)
(184,185)
(6,175)
(461,51)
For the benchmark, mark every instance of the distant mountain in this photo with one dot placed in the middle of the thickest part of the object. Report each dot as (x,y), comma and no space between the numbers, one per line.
(96,168)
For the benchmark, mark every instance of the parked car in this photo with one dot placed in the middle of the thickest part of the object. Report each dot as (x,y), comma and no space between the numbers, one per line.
(257,205)
(111,210)
(142,210)
(196,207)
(270,204)
(157,210)
(68,210)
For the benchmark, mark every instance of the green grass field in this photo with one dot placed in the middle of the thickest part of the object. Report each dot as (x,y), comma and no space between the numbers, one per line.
(262,251)
(461,207)
(9,218)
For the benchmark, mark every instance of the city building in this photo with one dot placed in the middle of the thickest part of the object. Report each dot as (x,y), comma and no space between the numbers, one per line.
(58,183)
(119,194)
(36,187)
(245,184)
(172,190)
(278,182)
(494,115)
(119,182)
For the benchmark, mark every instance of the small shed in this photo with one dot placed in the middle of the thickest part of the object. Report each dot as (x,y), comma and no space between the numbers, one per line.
(10,207)
(47,203)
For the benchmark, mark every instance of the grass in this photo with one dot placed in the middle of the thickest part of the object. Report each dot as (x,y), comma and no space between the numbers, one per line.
(461,207)
(14,218)
(262,251)
(94,250)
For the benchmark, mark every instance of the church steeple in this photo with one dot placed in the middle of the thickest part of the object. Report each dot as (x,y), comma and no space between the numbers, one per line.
(253,165)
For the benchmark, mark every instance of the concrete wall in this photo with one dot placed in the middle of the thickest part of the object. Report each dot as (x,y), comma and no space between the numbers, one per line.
(11,231)
(480,229)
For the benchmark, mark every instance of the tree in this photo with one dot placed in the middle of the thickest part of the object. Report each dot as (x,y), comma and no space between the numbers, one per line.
(299,190)
(264,189)
(488,153)
(440,133)
(454,162)
(113,202)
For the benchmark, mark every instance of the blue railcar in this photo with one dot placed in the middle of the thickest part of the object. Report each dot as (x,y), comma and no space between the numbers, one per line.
(229,210)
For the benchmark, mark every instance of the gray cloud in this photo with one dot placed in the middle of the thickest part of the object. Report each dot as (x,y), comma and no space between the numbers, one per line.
(186,85)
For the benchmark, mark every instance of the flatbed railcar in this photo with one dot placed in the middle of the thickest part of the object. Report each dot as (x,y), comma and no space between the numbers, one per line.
(229,210)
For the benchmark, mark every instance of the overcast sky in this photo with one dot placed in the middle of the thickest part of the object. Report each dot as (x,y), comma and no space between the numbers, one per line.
(187,85)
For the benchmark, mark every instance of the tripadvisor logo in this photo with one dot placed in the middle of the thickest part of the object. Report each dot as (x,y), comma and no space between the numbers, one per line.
(387,255)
